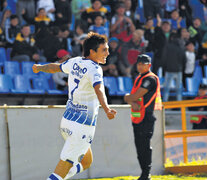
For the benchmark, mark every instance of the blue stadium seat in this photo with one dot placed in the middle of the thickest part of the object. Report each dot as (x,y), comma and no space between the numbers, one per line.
(72,25)
(52,88)
(11,68)
(32,29)
(12,5)
(125,85)
(26,68)
(8,54)
(111,84)
(205,71)
(204,81)
(198,10)
(39,85)
(198,73)
(21,84)
(108,7)
(6,83)
(192,85)
(2,56)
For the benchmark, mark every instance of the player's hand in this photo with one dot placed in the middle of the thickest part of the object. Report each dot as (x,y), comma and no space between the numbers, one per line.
(111,114)
(35,68)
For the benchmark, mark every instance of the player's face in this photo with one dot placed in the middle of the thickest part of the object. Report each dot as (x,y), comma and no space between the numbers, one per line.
(143,68)
(102,53)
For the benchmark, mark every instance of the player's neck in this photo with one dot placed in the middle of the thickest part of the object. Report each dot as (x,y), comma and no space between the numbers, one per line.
(92,58)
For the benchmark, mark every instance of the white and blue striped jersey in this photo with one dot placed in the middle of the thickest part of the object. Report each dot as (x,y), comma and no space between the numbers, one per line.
(83,75)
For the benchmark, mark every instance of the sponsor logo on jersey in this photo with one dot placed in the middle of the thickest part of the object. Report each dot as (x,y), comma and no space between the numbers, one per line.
(78,71)
(80,157)
(68,131)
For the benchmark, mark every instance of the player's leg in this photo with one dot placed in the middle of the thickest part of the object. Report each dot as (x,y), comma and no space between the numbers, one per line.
(61,170)
(87,159)
(85,164)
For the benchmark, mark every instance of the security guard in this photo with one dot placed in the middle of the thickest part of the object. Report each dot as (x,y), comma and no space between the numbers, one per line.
(144,98)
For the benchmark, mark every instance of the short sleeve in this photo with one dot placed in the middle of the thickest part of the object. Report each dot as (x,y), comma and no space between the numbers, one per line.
(149,83)
(65,67)
(96,76)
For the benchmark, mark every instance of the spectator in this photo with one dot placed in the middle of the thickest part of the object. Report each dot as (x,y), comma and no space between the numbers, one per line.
(49,7)
(185,11)
(152,8)
(63,13)
(190,61)
(3,4)
(129,10)
(203,62)
(27,6)
(79,6)
(122,27)
(60,78)
(47,40)
(169,6)
(24,48)
(5,19)
(111,66)
(149,32)
(184,37)
(176,21)
(129,52)
(173,64)
(80,35)
(200,121)
(98,26)
(90,14)
(162,33)
(2,38)
(41,20)
(196,35)
(63,35)
(12,30)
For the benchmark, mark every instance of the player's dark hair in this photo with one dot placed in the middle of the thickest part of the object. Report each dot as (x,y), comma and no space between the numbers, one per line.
(93,41)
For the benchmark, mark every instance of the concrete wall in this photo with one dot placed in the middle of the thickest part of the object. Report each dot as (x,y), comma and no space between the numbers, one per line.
(36,144)
(4,170)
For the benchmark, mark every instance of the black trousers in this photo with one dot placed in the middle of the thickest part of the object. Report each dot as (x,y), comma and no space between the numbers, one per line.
(142,136)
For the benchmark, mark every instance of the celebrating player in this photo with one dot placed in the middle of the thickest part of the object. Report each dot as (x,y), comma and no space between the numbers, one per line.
(85,92)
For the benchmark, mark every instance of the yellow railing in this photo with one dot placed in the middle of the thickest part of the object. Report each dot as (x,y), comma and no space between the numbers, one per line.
(184,133)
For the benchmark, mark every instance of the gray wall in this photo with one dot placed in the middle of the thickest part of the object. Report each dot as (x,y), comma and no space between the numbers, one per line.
(36,144)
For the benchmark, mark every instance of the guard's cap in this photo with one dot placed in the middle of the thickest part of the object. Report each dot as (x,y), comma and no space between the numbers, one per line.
(143,58)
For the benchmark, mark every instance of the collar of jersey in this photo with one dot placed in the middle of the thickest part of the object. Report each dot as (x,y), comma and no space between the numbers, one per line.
(90,60)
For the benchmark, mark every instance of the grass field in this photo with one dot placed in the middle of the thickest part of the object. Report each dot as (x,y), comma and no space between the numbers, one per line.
(163,177)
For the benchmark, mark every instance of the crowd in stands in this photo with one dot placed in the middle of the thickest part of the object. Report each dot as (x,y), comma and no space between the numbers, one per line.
(166,29)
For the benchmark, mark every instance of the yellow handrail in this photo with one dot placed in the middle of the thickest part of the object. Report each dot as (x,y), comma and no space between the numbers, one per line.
(184,133)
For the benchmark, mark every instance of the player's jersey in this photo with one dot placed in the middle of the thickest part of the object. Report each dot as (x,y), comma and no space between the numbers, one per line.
(83,75)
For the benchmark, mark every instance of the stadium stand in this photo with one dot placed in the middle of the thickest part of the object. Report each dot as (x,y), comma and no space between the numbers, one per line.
(6,83)
(11,68)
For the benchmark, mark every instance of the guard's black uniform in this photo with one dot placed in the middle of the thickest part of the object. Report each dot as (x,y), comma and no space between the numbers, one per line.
(143,131)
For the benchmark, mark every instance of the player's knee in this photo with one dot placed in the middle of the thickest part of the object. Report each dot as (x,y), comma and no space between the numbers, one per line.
(87,163)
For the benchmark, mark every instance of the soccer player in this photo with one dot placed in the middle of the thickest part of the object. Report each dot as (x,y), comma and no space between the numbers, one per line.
(85,92)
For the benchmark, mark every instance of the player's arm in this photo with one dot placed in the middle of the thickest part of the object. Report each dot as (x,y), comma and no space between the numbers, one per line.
(48,68)
(100,92)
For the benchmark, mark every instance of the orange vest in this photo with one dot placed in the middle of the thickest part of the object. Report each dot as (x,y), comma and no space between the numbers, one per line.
(198,118)
(138,116)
